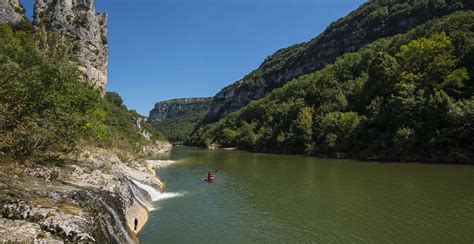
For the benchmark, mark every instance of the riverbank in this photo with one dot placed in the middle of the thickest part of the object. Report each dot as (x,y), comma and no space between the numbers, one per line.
(96,196)
(434,158)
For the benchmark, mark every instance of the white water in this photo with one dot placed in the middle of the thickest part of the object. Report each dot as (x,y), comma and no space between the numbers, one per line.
(166,195)
(155,194)
(148,206)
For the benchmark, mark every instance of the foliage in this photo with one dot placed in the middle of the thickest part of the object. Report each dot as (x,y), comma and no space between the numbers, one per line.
(45,109)
(304,127)
(408,97)
(114,98)
(122,130)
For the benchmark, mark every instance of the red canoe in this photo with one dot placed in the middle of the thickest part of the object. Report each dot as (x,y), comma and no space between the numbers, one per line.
(210,181)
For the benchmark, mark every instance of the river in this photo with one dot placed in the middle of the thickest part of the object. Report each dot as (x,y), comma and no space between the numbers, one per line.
(262,198)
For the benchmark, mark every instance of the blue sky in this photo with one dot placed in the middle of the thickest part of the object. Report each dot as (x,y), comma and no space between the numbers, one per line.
(163,49)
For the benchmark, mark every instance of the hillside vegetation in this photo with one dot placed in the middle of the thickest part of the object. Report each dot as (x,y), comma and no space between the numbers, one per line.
(177,118)
(178,130)
(125,129)
(371,21)
(46,109)
(408,97)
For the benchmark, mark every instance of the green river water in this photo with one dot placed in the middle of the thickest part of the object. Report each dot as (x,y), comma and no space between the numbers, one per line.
(261,198)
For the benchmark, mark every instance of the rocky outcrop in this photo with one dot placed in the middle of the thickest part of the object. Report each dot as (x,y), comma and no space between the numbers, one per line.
(154,147)
(371,21)
(177,107)
(138,121)
(78,20)
(92,198)
(11,11)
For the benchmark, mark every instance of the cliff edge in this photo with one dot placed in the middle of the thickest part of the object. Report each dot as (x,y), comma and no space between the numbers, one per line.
(78,20)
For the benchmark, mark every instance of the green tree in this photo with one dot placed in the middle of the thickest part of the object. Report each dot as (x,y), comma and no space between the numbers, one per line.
(383,73)
(404,138)
(247,137)
(304,127)
(114,98)
(229,136)
(431,63)
(337,129)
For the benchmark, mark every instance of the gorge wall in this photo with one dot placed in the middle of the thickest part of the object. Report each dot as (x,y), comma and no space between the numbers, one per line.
(373,20)
(177,118)
(177,107)
(11,11)
(78,20)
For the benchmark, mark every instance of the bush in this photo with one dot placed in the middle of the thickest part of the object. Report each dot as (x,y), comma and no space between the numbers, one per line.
(114,98)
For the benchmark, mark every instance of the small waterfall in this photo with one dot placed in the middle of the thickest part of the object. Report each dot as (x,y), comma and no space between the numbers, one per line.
(140,195)
(155,195)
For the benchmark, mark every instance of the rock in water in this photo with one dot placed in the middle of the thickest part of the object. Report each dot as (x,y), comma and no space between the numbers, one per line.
(78,20)
(11,11)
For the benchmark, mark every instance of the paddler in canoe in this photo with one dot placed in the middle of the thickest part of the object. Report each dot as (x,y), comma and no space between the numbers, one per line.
(211,177)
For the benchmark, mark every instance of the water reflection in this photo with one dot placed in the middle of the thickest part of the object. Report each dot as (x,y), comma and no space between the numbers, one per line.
(268,198)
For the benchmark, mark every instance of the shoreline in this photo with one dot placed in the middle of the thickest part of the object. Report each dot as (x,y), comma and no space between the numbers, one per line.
(138,208)
(90,198)
(343,156)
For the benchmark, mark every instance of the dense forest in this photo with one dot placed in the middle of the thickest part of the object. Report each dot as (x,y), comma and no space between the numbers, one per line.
(46,110)
(406,97)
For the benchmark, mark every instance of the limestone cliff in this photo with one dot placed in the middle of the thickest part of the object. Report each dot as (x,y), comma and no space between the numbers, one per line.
(177,118)
(11,11)
(177,107)
(78,20)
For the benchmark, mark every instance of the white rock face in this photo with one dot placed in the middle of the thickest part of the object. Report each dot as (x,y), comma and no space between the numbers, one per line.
(94,197)
(10,11)
(78,20)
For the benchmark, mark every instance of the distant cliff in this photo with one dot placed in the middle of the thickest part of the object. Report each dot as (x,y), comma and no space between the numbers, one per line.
(177,107)
(176,118)
(371,21)
(11,11)
(78,20)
